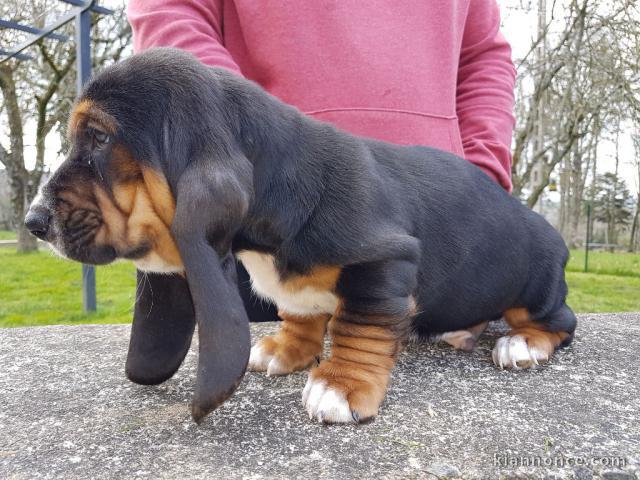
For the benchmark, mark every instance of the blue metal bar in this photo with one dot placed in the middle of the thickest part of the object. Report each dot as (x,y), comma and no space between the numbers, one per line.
(19,56)
(26,28)
(89,288)
(83,59)
(50,28)
(83,52)
(94,8)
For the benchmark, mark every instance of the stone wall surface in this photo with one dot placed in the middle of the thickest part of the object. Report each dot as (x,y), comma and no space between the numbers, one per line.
(67,411)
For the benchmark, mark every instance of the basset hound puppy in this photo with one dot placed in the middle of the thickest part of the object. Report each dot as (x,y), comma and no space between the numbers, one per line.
(183,168)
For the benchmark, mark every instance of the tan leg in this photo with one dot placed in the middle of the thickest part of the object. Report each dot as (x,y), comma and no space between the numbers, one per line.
(357,371)
(367,330)
(350,385)
(296,346)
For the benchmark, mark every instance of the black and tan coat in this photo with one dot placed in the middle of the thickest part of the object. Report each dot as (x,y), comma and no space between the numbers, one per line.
(181,168)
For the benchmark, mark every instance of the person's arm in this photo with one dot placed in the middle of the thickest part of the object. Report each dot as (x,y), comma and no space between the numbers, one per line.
(486,78)
(194,26)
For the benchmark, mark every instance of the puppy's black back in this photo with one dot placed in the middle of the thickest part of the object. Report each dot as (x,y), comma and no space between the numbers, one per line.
(483,252)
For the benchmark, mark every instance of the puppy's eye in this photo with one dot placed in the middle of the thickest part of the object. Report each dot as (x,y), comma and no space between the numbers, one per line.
(97,137)
(100,137)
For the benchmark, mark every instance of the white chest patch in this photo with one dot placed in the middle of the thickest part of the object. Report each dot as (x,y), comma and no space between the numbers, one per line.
(152,262)
(266,283)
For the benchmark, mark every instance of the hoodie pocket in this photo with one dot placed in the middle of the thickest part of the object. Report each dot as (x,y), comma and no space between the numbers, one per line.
(397,126)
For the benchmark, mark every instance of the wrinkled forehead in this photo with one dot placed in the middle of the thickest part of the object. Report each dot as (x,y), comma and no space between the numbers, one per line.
(87,113)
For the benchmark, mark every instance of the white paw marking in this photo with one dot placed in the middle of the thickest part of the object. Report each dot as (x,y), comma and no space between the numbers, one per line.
(275,367)
(258,359)
(326,405)
(513,352)
(261,361)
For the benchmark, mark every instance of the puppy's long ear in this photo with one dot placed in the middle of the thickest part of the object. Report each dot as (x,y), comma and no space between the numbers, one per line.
(211,203)
(163,324)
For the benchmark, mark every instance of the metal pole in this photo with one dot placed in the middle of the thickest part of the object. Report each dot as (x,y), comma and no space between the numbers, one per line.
(83,60)
(83,51)
(586,244)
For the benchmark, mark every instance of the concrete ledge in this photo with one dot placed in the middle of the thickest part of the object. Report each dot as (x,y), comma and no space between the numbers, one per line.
(67,411)
(14,243)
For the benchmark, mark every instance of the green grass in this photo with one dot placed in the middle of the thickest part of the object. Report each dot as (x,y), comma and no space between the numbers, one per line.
(594,293)
(41,289)
(619,264)
(7,235)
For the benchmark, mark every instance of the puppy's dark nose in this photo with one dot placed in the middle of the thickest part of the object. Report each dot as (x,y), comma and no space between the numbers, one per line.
(37,221)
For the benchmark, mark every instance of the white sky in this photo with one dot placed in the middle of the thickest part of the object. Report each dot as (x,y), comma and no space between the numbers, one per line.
(518,28)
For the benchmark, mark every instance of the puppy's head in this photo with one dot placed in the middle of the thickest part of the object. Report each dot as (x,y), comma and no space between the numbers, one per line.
(102,203)
(133,131)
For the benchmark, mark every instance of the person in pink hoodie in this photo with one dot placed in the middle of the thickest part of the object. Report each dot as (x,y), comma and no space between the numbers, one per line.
(409,72)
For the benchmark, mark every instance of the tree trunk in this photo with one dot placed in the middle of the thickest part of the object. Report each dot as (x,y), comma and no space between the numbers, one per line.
(612,224)
(26,241)
(581,170)
(14,160)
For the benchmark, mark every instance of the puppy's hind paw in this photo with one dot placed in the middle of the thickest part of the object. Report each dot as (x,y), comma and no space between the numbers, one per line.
(464,339)
(515,352)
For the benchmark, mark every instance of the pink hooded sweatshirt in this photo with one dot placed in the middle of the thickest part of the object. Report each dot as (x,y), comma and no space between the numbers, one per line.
(418,72)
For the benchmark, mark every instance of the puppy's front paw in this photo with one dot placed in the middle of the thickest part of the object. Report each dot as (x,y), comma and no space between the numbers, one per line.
(326,404)
(517,351)
(261,355)
(276,357)
(296,346)
(334,394)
